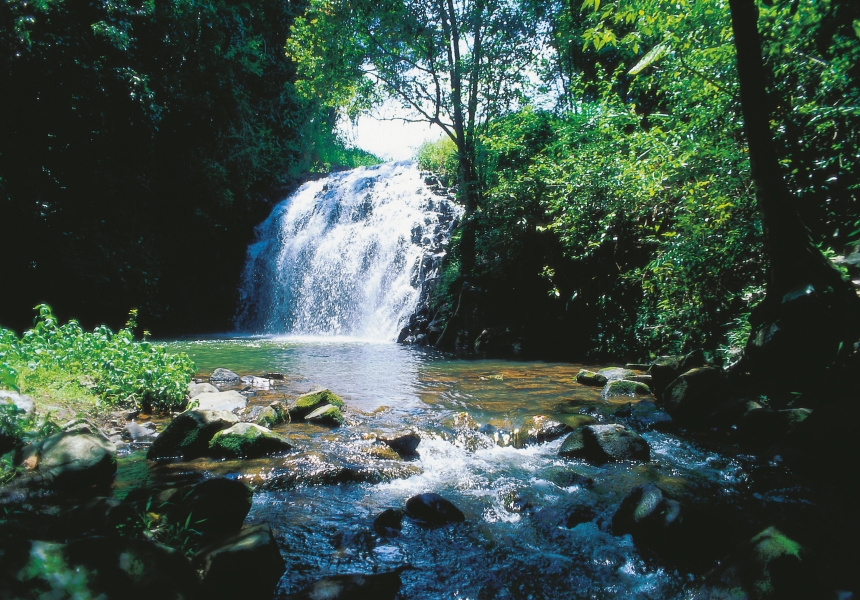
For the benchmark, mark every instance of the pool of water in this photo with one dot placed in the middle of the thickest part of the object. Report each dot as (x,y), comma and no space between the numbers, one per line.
(518,540)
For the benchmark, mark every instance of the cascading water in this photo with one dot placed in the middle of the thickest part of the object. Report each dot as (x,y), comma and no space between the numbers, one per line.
(346,255)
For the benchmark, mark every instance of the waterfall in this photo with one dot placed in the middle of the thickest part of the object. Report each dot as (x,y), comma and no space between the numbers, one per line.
(346,255)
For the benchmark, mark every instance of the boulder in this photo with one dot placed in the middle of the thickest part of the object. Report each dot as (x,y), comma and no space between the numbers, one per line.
(223,377)
(624,387)
(246,565)
(598,444)
(135,432)
(379,586)
(644,512)
(308,403)
(766,426)
(247,440)
(404,443)
(229,401)
(612,373)
(77,459)
(273,415)
(215,508)
(195,389)
(432,509)
(388,522)
(695,395)
(770,566)
(586,377)
(543,429)
(188,434)
(328,415)
(664,370)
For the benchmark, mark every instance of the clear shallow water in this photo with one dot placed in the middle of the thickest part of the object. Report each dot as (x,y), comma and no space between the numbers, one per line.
(322,498)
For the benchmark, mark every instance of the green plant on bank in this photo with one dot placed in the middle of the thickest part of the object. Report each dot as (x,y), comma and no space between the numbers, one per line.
(440,158)
(114,366)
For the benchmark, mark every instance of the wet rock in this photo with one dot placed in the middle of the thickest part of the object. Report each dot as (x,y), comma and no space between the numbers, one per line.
(388,522)
(382,451)
(564,477)
(433,509)
(273,415)
(543,429)
(766,426)
(380,586)
(223,377)
(404,443)
(770,566)
(328,415)
(576,420)
(195,389)
(134,432)
(95,567)
(598,444)
(664,370)
(644,415)
(188,434)
(612,373)
(247,440)
(308,403)
(274,375)
(216,508)
(229,401)
(77,459)
(624,387)
(315,468)
(645,511)
(695,395)
(246,565)
(586,377)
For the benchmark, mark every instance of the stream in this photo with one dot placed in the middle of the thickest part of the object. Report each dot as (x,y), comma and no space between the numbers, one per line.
(537,525)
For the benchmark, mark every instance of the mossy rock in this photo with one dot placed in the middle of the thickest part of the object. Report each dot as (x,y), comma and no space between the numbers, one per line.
(188,435)
(575,421)
(328,415)
(310,402)
(273,415)
(625,387)
(247,440)
(586,377)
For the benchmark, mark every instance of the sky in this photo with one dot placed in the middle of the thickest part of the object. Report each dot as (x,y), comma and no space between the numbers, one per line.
(388,139)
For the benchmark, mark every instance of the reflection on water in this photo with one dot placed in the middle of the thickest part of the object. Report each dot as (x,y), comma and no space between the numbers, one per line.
(518,541)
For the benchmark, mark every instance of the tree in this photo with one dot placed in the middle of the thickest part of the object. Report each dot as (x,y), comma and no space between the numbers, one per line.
(810,315)
(452,63)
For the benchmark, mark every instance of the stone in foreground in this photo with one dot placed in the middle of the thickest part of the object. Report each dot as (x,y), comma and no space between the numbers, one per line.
(433,509)
(598,444)
(247,440)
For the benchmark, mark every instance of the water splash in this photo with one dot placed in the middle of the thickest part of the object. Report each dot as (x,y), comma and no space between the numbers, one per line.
(346,255)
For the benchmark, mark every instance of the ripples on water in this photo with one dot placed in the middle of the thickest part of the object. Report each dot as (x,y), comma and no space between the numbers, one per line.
(514,543)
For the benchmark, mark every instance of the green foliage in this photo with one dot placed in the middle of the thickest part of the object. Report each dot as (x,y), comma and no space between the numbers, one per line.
(439,158)
(118,368)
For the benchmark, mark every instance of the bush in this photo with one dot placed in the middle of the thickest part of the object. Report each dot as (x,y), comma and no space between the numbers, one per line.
(117,368)
(440,158)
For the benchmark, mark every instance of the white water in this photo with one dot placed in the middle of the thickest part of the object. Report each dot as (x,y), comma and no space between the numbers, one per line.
(341,256)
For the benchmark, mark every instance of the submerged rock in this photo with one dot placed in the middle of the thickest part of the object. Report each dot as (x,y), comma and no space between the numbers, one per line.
(247,440)
(308,403)
(602,443)
(222,376)
(188,435)
(379,586)
(246,565)
(433,509)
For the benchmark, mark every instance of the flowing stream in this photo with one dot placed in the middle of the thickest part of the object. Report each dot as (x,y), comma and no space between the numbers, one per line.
(334,274)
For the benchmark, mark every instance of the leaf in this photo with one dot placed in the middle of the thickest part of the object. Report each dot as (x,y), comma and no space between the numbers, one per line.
(655,54)
(857,28)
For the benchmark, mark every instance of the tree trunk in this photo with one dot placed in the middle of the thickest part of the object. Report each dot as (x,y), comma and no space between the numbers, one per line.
(810,315)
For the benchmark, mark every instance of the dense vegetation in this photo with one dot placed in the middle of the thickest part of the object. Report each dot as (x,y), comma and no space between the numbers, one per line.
(598,148)
(62,361)
(141,142)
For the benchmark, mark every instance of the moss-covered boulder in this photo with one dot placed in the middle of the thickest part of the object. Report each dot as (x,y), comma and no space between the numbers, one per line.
(273,415)
(598,444)
(586,377)
(187,436)
(247,440)
(308,403)
(769,566)
(624,387)
(328,415)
